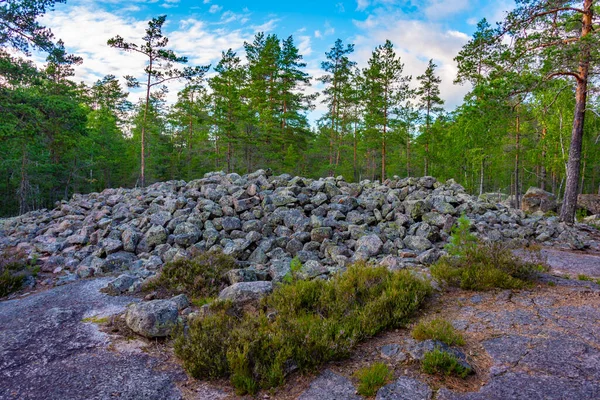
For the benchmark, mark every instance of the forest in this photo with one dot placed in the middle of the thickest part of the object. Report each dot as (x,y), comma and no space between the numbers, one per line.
(531,117)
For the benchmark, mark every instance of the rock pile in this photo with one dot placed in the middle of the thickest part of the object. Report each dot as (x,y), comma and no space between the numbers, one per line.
(264,221)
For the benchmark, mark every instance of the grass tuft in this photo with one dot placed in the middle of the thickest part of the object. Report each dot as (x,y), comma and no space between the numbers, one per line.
(199,278)
(301,326)
(97,320)
(440,362)
(438,329)
(371,378)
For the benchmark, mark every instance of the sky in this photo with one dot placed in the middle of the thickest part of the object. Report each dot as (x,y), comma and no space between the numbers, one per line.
(202,29)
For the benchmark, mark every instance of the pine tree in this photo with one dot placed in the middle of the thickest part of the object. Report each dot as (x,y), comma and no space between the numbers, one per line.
(430,104)
(227,87)
(159,70)
(19,28)
(337,95)
(386,89)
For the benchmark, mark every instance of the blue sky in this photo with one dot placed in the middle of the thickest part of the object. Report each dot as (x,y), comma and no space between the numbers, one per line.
(201,29)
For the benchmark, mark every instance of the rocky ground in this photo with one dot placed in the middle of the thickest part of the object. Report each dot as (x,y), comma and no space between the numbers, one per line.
(59,340)
(541,343)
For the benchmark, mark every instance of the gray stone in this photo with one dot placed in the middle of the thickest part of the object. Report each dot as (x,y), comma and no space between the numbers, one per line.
(311,269)
(320,234)
(246,292)
(417,243)
(369,245)
(154,318)
(156,235)
(181,301)
(231,223)
(393,351)
(120,285)
(330,386)
(405,388)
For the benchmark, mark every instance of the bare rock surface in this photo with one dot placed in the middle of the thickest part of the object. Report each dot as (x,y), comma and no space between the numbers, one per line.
(543,345)
(47,351)
(330,386)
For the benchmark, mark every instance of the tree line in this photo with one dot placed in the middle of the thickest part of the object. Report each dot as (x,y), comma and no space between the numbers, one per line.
(531,117)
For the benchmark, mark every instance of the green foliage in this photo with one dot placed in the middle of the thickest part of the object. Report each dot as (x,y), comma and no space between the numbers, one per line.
(199,278)
(440,362)
(461,241)
(371,378)
(14,269)
(19,28)
(482,266)
(303,325)
(438,329)
(295,267)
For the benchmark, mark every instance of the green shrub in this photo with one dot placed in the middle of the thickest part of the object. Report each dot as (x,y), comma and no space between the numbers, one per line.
(301,325)
(371,378)
(461,240)
(583,277)
(200,277)
(440,362)
(473,265)
(14,269)
(438,329)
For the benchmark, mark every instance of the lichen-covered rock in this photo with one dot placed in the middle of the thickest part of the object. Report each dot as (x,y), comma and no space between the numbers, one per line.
(120,285)
(154,318)
(242,293)
(368,246)
(536,199)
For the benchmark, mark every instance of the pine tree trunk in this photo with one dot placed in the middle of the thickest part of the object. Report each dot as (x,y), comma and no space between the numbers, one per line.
(567,213)
(517,162)
(543,166)
(143,152)
(24,183)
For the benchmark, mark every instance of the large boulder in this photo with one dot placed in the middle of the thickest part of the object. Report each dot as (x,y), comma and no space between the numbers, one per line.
(368,246)
(242,293)
(153,318)
(536,199)
(589,202)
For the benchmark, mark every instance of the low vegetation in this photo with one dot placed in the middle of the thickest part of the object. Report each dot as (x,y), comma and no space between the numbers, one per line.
(441,362)
(14,269)
(300,326)
(473,265)
(583,277)
(199,278)
(438,329)
(371,378)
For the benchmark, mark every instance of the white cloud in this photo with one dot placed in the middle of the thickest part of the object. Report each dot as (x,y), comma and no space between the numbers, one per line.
(304,46)
(415,42)
(318,34)
(361,5)
(441,9)
(266,27)
(214,9)
(85,30)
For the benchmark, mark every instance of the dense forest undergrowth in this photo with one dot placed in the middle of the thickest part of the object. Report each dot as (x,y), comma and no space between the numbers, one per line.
(515,128)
